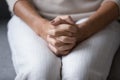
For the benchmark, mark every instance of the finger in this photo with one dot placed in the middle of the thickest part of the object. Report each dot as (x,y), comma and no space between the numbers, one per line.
(60,54)
(59,32)
(59,21)
(64,53)
(53,41)
(56,52)
(67,27)
(68,19)
(66,39)
(62,20)
(56,21)
(66,47)
(53,48)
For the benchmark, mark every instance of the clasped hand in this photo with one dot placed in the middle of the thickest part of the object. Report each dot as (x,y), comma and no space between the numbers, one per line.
(61,35)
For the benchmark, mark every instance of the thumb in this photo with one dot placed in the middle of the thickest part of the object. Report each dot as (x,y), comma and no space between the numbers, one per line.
(56,21)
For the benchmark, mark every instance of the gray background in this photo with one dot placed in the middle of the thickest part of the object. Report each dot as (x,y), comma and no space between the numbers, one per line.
(6,68)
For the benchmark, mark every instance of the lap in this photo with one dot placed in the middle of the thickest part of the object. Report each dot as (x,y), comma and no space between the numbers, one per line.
(28,49)
(94,55)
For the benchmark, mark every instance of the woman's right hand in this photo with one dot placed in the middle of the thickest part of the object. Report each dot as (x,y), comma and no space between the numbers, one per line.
(42,27)
(60,38)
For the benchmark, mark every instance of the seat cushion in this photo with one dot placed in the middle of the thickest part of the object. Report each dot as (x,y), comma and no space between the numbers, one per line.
(6,68)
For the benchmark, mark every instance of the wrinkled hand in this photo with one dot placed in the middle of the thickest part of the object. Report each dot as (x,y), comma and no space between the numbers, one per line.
(62,38)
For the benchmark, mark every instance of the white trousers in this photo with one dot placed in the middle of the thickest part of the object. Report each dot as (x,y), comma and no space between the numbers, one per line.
(90,60)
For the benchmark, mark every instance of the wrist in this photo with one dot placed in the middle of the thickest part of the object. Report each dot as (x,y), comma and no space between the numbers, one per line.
(84,31)
(38,25)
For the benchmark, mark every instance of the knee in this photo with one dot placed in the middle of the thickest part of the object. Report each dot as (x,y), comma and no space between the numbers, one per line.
(39,70)
(71,78)
(72,75)
(85,75)
(32,73)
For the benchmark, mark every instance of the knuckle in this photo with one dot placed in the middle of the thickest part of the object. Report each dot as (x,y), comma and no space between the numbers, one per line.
(57,51)
(63,38)
(55,43)
(54,32)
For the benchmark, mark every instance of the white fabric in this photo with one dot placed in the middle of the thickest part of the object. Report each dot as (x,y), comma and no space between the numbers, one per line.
(90,60)
(76,8)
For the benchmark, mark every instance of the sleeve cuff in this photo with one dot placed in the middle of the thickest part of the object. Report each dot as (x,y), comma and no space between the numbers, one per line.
(117,2)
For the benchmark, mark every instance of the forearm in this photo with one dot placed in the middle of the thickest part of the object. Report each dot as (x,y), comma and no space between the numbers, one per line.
(107,13)
(28,13)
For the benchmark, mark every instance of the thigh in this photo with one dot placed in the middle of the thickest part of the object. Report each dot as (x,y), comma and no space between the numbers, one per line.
(30,52)
(91,59)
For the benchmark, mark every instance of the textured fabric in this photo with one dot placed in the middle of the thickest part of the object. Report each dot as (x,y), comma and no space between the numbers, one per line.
(90,60)
(76,8)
